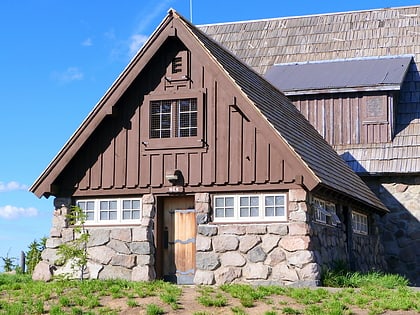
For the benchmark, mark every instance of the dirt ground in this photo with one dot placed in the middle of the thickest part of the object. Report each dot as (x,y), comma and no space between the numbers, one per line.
(189,304)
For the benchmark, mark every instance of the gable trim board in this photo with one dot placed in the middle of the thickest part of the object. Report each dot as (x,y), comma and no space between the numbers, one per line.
(286,121)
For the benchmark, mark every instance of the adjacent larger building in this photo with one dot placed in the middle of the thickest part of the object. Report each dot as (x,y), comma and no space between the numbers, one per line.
(195,169)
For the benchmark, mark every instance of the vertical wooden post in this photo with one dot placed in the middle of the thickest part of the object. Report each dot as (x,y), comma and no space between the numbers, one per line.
(22,261)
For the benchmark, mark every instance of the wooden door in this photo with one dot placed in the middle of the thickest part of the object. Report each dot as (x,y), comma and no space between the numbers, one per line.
(177,231)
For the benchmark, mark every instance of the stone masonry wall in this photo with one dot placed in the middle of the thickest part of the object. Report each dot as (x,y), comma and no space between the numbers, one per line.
(400,229)
(258,253)
(368,249)
(114,252)
(330,245)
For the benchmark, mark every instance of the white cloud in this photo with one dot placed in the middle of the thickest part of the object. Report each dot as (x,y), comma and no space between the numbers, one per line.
(87,42)
(136,41)
(11,212)
(69,75)
(12,186)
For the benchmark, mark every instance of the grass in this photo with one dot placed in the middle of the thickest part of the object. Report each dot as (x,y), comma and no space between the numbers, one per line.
(374,293)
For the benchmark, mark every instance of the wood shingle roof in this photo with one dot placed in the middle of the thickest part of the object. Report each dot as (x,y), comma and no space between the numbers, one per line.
(359,34)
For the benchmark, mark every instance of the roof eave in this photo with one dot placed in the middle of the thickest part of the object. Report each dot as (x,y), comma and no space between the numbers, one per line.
(378,88)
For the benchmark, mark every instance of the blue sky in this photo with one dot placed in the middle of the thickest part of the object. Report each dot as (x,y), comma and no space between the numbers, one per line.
(59,57)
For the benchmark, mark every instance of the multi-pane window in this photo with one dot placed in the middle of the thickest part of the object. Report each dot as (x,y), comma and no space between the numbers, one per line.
(88,207)
(274,205)
(250,207)
(111,211)
(173,118)
(224,207)
(131,209)
(325,212)
(359,223)
(108,210)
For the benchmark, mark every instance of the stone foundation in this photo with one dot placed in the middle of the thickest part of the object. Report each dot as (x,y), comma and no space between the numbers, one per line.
(269,253)
(113,253)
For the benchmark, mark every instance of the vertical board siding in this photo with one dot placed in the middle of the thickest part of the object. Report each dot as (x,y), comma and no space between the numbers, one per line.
(236,151)
(340,119)
(133,150)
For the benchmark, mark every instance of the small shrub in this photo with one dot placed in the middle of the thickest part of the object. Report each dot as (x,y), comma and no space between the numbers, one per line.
(153,309)
(132,303)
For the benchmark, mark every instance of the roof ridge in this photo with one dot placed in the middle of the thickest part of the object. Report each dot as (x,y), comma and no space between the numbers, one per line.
(306,16)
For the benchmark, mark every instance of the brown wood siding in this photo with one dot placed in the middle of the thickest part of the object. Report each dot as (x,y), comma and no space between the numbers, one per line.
(345,119)
(238,150)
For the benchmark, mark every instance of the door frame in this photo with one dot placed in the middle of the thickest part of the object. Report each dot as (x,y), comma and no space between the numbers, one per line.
(159,235)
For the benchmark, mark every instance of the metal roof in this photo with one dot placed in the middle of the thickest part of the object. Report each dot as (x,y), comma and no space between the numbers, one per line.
(369,73)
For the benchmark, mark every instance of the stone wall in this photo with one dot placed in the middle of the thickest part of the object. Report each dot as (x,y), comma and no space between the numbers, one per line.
(117,252)
(369,252)
(400,229)
(330,245)
(270,253)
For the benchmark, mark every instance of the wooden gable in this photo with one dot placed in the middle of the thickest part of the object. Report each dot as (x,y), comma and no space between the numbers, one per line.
(234,146)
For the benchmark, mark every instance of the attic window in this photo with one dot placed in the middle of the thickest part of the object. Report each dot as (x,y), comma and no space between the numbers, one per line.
(173,118)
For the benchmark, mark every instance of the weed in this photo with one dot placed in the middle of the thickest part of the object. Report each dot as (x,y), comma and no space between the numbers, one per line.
(270,313)
(132,303)
(153,309)
(201,313)
(238,310)
(291,311)
(212,299)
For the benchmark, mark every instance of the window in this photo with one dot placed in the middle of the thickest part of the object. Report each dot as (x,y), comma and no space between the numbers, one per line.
(359,223)
(111,211)
(173,118)
(268,207)
(325,212)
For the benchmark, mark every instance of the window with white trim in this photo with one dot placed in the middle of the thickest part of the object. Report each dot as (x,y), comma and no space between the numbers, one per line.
(264,207)
(359,222)
(325,212)
(111,211)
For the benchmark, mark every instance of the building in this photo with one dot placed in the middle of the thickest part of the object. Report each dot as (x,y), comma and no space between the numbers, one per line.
(355,76)
(195,169)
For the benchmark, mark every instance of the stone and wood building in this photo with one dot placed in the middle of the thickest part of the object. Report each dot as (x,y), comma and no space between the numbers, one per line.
(195,168)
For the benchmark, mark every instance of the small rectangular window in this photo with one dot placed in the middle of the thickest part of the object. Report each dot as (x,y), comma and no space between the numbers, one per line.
(88,208)
(224,207)
(360,223)
(261,207)
(325,212)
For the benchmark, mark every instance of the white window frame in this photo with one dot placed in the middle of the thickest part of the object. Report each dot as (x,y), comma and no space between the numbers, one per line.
(119,208)
(359,223)
(261,217)
(325,212)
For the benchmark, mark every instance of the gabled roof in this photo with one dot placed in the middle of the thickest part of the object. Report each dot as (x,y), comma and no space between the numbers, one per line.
(358,34)
(328,168)
(342,75)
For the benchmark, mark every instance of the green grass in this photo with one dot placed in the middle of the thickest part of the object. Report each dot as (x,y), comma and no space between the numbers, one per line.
(374,293)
